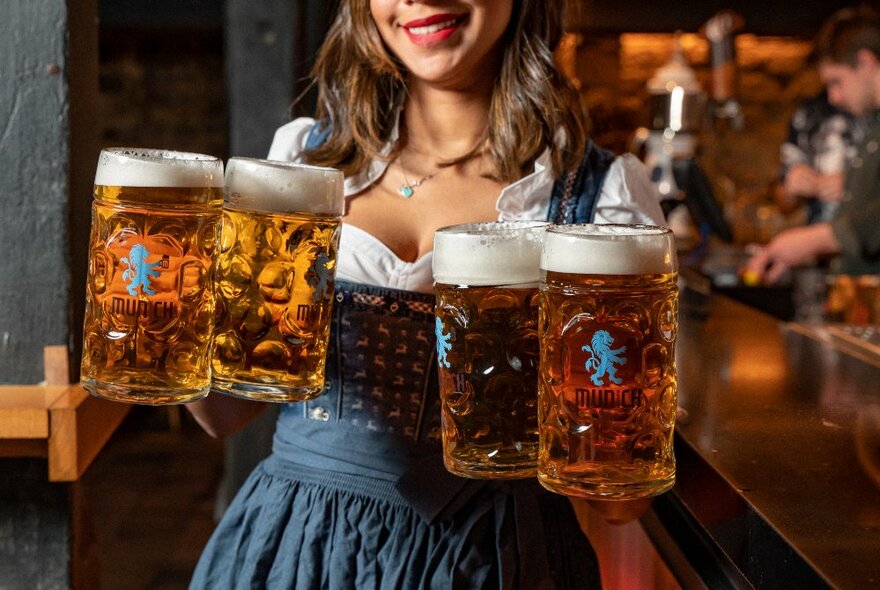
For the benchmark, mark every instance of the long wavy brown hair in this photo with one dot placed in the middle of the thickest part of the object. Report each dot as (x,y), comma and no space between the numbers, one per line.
(361,87)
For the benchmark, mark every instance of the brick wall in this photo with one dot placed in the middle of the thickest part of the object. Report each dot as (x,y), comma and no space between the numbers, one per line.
(774,76)
(164,88)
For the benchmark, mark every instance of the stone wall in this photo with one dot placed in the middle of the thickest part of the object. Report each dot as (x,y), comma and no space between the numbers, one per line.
(36,61)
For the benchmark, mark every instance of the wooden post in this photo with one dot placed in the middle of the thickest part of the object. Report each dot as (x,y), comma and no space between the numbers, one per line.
(270,48)
(260,37)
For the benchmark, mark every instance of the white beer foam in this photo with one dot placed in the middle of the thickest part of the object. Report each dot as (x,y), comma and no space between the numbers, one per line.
(283,187)
(609,249)
(141,167)
(492,253)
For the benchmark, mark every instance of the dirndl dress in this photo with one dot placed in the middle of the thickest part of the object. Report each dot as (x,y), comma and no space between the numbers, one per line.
(355,495)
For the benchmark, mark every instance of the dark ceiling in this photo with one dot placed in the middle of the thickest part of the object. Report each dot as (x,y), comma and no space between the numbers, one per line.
(762,17)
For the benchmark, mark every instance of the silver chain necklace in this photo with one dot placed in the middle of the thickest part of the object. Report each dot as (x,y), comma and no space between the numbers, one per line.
(408,189)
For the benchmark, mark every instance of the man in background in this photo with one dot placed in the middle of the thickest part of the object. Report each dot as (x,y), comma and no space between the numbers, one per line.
(848,48)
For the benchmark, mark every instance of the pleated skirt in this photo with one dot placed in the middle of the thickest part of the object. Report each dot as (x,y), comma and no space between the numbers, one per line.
(297,527)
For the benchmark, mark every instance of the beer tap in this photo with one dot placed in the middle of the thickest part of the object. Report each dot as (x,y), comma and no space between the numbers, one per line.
(720,31)
(670,145)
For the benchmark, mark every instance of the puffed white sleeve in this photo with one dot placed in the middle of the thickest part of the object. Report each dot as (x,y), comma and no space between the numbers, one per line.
(290,140)
(628,195)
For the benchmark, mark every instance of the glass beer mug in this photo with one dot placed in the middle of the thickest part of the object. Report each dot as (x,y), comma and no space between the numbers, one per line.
(275,276)
(149,296)
(608,389)
(486,284)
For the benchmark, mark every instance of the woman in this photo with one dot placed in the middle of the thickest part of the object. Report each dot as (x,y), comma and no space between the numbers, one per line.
(438,112)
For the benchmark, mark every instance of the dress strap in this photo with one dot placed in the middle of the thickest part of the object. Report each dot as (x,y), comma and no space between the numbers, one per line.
(318,134)
(575,193)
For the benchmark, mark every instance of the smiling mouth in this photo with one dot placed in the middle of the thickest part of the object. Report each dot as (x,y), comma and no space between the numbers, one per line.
(434,27)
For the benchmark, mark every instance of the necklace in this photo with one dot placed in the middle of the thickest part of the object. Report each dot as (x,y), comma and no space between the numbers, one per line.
(408,189)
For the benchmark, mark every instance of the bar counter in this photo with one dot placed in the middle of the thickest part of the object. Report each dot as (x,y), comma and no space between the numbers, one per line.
(778,446)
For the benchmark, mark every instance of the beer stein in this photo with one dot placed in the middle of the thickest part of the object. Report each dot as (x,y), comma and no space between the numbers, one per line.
(607,379)
(486,285)
(149,296)
(275,276)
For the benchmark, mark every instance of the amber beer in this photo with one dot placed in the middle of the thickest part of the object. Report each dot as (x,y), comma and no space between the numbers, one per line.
(149,296)
(486,284)
(608,323)
(275,279)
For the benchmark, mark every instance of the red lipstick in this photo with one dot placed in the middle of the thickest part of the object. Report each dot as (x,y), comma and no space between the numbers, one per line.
(433,29)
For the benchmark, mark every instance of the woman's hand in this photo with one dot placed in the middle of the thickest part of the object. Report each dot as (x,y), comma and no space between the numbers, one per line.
(221,415)
(617,511)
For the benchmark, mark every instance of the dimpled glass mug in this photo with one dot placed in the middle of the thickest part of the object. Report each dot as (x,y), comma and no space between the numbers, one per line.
(607,379)
(275,277)
(149,294)
(486,284)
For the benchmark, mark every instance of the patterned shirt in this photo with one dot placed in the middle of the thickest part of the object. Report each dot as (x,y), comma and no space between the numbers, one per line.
(823,138)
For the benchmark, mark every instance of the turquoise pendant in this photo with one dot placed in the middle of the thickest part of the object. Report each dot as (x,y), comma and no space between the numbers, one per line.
(406,191)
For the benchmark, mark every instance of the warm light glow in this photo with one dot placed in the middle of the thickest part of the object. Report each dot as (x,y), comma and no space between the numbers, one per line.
(642,53)
(633,45)
(566,57)
(676,105)
(757,368)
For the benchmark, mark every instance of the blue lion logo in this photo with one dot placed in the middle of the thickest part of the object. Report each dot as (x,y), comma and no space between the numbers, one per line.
(443,344)
(319,277)
(139,270)
(602,358)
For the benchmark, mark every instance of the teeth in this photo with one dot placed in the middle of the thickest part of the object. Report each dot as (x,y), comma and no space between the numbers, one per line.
(431,28)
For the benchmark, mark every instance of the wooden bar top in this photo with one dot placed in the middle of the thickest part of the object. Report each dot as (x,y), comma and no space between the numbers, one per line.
(62,423)
(778,442)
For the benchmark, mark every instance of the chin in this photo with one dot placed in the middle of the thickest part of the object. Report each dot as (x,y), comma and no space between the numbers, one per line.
(435,76)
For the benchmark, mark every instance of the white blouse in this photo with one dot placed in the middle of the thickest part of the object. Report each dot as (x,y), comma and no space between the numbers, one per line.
(627,196)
